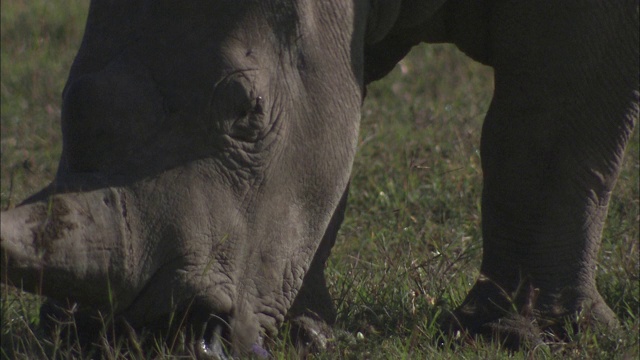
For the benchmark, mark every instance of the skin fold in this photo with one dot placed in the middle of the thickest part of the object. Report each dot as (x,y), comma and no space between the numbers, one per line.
(206,161)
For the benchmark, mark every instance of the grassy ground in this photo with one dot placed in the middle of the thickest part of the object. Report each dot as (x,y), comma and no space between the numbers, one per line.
(410,245)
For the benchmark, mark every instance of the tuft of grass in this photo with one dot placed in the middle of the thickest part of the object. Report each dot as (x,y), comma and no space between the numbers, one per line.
(39,40)
(410,246)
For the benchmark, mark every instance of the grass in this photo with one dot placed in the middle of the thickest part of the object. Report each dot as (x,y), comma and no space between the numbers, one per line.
(410,246)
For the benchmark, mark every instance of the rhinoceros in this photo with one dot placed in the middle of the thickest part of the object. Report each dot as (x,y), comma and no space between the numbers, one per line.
(208,146)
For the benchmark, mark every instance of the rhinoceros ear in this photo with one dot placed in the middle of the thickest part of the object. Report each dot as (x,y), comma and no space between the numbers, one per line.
(111,25)
(394,27)
(391,16)
(381,18)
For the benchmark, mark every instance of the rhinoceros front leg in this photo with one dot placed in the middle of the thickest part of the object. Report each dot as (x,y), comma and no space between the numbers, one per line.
(313,313)
(565,104)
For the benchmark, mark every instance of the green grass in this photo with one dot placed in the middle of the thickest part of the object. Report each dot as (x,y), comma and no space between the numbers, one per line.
(410,246)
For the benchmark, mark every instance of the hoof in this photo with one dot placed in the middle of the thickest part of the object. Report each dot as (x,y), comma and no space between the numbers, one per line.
(511,331)
(514,332)
(490,313)
(525,319)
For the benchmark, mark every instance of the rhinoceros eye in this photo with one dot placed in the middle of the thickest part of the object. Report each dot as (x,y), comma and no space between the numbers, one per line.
(249,125)
(239,108)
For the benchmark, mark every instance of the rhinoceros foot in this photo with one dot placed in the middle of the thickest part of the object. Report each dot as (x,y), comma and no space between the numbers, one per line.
(491,313)
(511,330)
(526,318)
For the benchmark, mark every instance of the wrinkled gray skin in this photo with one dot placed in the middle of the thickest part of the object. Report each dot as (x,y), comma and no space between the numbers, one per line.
(208,147)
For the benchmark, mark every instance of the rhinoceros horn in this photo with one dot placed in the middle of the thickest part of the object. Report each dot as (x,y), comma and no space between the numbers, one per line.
(58,243)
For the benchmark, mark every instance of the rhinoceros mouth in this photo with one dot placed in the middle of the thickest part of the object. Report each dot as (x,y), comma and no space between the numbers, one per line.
(216,342)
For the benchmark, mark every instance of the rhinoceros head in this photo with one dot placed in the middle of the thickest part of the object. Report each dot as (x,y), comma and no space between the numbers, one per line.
(206,147)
